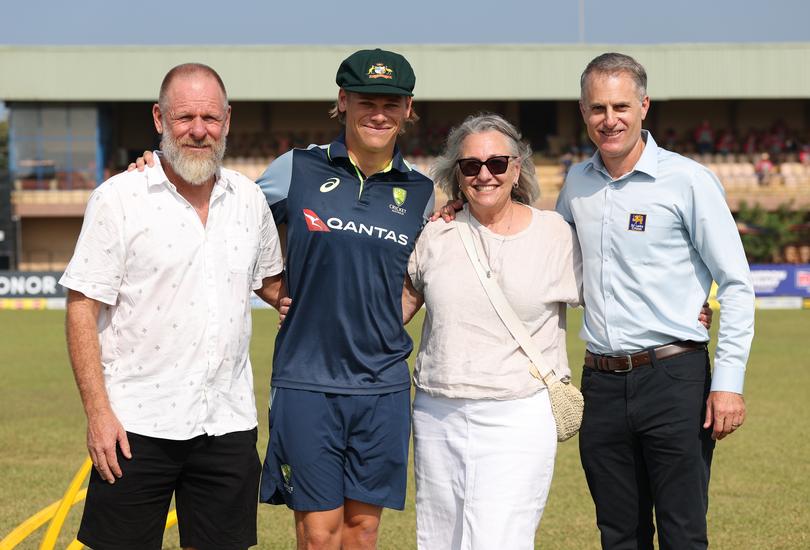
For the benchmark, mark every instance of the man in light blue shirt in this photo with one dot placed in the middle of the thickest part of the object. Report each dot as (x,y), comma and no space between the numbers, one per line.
(655,231)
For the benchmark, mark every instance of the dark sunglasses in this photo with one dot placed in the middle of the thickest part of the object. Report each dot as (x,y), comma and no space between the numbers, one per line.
(496,165)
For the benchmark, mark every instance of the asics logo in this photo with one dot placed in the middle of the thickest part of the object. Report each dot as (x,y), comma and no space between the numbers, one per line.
(314,223)
(330,184)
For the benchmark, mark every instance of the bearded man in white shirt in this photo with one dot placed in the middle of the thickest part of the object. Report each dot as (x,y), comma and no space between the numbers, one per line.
(158,329)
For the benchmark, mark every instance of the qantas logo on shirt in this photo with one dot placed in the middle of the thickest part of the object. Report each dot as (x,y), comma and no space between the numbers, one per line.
(315,223)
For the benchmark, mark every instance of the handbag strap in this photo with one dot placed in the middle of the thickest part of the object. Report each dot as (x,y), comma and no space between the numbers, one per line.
(539,369)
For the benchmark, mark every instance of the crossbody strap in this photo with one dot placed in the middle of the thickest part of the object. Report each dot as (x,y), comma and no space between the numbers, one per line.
(502,307)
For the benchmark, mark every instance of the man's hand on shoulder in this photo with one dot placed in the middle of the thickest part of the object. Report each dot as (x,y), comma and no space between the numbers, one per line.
(104,433)
(725,412)
(448,211)
(141,163)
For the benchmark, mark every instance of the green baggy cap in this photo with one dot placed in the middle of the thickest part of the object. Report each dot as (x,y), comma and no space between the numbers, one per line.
(376,72)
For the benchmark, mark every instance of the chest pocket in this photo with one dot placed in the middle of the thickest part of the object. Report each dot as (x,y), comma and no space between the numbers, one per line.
(241,246)
(645,236)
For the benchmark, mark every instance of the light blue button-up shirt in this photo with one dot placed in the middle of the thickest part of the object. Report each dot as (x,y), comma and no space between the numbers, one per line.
(652,242)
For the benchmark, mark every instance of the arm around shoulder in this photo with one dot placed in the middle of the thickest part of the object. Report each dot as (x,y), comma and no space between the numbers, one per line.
(272,290)
(412,300)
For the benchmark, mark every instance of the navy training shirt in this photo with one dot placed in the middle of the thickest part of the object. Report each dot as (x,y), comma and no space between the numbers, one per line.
(348,243)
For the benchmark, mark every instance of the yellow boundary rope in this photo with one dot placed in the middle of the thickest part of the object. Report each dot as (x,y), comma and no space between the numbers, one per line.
(57,513)
(34,522)
(49,540)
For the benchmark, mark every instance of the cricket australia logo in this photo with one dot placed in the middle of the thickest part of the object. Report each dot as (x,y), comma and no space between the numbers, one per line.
(330,184)
(286,474)
(379,70)
(399,199)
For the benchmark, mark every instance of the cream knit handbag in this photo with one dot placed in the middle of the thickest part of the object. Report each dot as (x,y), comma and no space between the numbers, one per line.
(566,400)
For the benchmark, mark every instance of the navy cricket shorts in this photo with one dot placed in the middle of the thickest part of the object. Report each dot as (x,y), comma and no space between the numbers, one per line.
(325,448)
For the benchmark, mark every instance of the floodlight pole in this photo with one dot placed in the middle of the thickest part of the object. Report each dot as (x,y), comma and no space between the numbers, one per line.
(581,21)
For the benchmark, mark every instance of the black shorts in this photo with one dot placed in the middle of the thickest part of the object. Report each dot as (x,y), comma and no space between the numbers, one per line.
(215,480)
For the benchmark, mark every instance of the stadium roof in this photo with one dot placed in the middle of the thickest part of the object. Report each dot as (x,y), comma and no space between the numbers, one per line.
(444,72)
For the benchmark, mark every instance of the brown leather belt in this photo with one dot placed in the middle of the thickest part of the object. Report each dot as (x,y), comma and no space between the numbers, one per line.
(626,363)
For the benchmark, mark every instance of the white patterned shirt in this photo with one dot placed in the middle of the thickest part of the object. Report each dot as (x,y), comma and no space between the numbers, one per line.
(176,326)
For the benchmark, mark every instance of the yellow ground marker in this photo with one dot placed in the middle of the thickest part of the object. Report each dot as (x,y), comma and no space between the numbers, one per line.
(57,513)
(49,541)
(35,522)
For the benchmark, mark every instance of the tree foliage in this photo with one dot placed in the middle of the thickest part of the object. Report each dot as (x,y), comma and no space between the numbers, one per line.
(766,233)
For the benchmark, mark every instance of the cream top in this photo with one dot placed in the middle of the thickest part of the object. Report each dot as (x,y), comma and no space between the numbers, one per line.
(466,350)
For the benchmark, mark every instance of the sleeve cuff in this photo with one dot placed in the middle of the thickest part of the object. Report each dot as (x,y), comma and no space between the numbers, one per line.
(729,379)
(269,271)
(96,291)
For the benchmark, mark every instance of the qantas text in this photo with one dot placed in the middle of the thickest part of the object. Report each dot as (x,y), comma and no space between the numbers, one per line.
(370,230)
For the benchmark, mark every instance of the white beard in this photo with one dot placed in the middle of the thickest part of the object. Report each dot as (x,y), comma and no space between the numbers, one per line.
(194,169)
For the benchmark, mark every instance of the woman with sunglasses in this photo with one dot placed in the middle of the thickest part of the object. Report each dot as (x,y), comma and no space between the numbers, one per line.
(484,435)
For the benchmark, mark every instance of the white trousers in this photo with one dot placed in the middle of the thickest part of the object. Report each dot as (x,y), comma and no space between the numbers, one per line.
(483,471)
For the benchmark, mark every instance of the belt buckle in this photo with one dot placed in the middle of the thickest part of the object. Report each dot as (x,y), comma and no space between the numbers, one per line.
(629,363)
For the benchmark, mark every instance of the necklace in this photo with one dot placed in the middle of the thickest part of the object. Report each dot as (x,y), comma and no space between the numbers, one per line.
(491,257)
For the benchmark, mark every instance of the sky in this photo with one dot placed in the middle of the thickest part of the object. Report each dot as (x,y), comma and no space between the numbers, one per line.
(365,22)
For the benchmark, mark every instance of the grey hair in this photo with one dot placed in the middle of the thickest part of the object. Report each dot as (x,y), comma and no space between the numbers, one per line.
(445,170)
(187,69)
(615,63)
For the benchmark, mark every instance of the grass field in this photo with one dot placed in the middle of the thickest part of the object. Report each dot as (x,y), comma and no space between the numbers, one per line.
(759,493)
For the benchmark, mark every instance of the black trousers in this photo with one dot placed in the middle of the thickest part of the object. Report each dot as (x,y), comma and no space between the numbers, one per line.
(643,448)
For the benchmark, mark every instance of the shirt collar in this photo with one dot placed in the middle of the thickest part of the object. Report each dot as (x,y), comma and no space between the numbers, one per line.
(647,163)
(337,149)
(156,176)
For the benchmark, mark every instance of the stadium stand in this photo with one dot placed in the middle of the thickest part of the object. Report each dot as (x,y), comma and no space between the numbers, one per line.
(65,140)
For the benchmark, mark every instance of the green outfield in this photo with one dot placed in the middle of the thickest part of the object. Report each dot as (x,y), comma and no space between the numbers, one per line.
(759,493)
